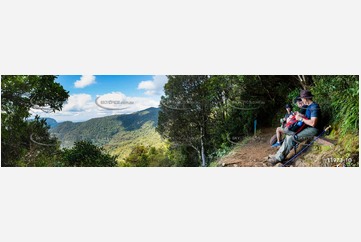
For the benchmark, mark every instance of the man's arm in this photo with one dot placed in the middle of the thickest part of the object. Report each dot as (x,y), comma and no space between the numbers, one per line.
(310,122)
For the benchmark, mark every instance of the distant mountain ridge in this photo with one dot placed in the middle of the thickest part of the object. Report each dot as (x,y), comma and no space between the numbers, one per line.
(117,133)
(49,121)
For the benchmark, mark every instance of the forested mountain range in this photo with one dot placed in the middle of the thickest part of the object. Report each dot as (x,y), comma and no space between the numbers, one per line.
(118,134)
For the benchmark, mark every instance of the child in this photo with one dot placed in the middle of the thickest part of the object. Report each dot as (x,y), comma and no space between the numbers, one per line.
(284,121)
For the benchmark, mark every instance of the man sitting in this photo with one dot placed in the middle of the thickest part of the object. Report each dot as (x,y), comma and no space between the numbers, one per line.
(311,119)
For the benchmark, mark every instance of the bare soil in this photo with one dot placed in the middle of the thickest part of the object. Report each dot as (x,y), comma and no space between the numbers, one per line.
(252,153)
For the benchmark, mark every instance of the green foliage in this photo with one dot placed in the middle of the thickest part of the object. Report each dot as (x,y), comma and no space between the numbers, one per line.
(85,154)
(18,95)
(222,151)
(123,142)
(184,114)
(338,97)
(348,147)
(42,148)
(143,156)
(292,96)
(183,156)
(213,164)
(138,157)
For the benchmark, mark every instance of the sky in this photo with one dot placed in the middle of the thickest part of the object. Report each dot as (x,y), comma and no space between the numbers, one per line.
(92,96)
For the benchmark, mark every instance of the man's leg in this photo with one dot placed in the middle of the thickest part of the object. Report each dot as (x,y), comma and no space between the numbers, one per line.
(290,142)
(286,131)
(305,134)
(286,147)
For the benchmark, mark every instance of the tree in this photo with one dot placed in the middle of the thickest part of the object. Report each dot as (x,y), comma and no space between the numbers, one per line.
(18,95)
(148,156)
(41,149)
(305,81)
(85,154)
(184,113)
(138,157)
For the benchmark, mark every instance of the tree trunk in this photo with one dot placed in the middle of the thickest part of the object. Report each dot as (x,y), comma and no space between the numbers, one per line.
(305,81)
(203,156)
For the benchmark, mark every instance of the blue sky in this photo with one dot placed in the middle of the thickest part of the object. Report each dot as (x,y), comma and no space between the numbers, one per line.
(132,92)
(106,84)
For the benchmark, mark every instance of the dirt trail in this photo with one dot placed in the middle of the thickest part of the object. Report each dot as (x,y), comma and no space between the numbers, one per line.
(252,153)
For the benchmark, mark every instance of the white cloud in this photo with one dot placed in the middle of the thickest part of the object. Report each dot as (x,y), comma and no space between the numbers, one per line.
(75,105)
(84,81)
(78,103)
(155,86)
(82,107)
(124,104)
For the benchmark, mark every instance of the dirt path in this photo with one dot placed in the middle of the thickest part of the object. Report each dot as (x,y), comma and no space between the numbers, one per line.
(252,153)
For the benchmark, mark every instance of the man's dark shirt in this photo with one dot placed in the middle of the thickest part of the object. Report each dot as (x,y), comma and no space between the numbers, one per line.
(314,111)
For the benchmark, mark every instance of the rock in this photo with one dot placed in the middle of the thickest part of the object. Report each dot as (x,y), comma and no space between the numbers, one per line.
(299,163)
(325,141)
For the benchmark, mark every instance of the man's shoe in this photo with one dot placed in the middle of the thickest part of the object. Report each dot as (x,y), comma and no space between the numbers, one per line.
(272,160)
